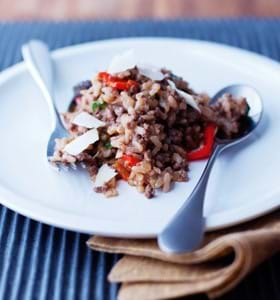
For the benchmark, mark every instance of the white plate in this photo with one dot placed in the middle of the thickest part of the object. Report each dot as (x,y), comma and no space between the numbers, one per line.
(245,180)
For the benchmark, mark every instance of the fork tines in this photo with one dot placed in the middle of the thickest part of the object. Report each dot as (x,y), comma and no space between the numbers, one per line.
(58,166)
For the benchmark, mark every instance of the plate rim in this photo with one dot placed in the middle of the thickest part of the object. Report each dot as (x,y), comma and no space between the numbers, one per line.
(11,200)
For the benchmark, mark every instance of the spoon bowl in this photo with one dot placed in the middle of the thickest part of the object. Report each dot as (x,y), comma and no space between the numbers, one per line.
(250,122)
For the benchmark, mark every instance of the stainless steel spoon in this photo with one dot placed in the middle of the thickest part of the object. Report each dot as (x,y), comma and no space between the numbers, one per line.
(185,231)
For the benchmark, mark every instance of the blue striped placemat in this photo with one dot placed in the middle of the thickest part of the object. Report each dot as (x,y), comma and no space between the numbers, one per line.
(42,262)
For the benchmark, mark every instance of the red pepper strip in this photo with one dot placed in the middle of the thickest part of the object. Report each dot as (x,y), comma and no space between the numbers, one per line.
(124,165)
(122,170)
(104,76)
(204,151)
(123,85)
(115,82)
(130,161)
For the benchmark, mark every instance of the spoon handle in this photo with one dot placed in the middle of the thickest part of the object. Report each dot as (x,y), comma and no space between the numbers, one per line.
(186,229)
(38,61)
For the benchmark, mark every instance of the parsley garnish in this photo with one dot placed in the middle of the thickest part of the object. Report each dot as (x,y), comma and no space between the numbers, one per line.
(108,145)
(99,104)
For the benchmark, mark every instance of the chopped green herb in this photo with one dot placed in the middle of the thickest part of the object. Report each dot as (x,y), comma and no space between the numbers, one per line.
(99,104)
(108,145)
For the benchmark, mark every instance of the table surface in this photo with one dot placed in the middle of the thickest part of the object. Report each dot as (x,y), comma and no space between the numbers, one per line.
(130,9)
(43,262)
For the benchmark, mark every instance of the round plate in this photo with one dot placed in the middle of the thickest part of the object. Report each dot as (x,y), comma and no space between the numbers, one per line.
(244,183)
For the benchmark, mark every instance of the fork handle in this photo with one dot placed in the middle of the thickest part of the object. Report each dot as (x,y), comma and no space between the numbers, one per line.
(185,231)
(39,63)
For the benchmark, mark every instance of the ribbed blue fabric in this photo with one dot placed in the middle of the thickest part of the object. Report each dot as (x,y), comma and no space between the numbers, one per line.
(42,262)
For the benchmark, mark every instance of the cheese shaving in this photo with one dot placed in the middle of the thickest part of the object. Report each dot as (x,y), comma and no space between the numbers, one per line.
(81,143)
(151,72)
(105,174)
(128,60)
(123,62)
(84,119)
(188,98)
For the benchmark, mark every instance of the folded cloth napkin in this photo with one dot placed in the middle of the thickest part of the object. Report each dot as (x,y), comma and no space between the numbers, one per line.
(223,260)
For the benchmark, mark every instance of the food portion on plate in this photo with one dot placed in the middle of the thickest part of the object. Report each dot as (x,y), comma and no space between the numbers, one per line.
(143,125)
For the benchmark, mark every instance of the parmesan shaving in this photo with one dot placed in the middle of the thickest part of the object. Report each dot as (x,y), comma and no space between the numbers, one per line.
(81,143)
(188,98)
(123,62)
(151,72)
(128,60)
(84,119)
(105,174)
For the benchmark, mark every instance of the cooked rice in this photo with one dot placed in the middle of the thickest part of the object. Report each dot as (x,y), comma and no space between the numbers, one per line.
(151,122)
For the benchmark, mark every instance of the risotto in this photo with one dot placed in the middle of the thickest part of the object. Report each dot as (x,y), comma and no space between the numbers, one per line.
(144,126)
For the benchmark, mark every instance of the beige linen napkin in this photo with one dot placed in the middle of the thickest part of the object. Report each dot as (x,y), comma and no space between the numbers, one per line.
(223,260)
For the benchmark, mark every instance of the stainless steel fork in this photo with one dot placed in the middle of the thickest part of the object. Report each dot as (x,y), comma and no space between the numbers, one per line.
(39,63)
